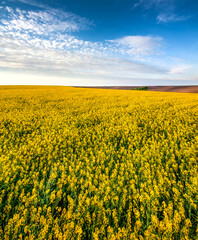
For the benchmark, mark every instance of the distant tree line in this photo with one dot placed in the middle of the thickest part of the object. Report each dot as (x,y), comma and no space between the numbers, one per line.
(141,88)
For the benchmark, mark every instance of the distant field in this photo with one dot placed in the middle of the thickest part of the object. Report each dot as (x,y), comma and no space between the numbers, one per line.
(81,163)
(185,89)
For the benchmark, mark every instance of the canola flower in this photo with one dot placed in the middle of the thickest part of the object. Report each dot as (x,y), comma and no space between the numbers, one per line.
(97,164)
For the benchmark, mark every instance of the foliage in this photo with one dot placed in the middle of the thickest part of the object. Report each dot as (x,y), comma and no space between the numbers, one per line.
(141,89)
(97,164)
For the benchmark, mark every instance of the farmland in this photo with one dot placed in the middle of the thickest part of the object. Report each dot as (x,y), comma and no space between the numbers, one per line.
(97,164)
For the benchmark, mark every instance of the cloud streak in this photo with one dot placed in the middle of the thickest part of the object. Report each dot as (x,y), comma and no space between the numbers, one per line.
(167,10)
(180,69)
(147,4)
(33,3)
(164,18)
(138,45)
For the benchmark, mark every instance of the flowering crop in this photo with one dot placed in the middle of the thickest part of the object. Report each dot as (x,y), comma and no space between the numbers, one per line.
(98,164)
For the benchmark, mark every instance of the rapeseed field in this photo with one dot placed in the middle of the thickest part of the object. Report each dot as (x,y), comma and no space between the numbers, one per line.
(97,164)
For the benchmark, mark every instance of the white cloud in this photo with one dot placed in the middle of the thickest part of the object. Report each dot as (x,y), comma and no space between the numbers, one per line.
(9,9)
(180,69)
(171,18)
(26,56)
(42,22)
(42,43)
(146,4)
(166,10)
(33,3)
(138,45)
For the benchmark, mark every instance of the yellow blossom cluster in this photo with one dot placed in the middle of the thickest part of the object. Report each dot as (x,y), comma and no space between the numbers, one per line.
(97,164)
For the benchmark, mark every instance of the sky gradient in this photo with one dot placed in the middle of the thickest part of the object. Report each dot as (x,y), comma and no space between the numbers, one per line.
(100,42)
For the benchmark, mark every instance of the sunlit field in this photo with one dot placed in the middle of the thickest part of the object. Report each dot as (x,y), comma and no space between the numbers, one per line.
(98,164)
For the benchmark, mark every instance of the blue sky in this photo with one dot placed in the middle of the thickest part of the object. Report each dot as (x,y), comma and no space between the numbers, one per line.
(100,42)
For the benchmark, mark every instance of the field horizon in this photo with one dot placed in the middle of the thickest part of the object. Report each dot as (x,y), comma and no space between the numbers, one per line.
(156,88)
(167,88)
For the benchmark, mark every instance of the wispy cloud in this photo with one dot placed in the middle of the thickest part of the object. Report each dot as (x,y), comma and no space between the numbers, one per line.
(19,54)
(166,9)
(164,18)
(41,22)
(147,4)
(44,41)
(33,3)
(138,45)
(180,69)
